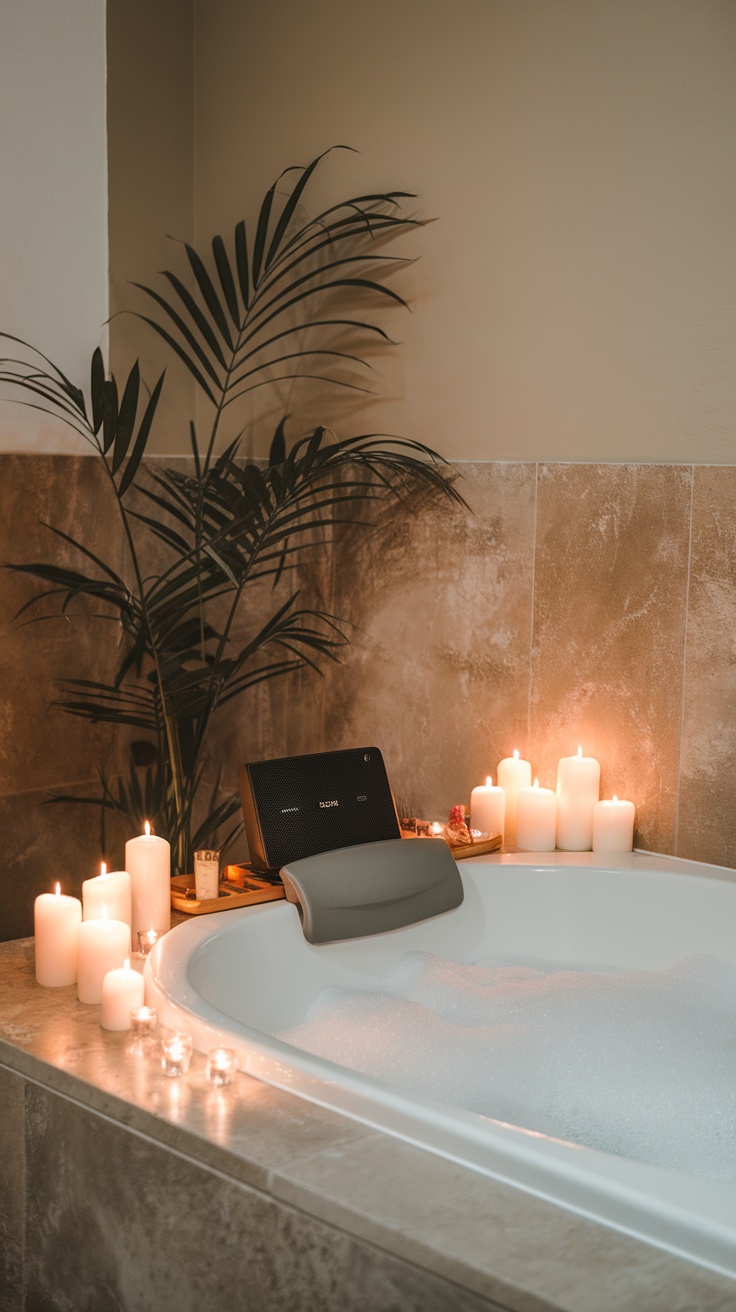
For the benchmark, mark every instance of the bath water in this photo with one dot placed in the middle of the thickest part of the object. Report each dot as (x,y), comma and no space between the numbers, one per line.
(638,1063)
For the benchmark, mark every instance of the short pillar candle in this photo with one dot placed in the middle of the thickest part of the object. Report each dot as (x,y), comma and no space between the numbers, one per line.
(56,920)
(122,992)
(102,945)
(613,826)
(513,774)
(578,788)
(488,808)
(536,819)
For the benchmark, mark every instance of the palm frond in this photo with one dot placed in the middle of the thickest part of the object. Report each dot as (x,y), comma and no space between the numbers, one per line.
(298,299)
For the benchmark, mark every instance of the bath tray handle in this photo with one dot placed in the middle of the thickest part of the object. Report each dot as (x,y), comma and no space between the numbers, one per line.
(372,887)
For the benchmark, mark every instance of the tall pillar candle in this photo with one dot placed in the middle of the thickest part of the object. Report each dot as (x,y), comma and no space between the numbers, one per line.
(536,819)
(613,826)
(122,992)
(513,774)
(148,861)
(110,891)
(102,945)
(56,919)
(578,787)
(488,808)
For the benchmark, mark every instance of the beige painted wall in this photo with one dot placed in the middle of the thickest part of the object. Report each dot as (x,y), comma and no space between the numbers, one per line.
(150,92)
(577,298)
(53,206)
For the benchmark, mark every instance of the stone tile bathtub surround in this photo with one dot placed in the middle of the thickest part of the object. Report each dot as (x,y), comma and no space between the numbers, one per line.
(145,1193)
(120,1224)
(610,600)
(12,1191)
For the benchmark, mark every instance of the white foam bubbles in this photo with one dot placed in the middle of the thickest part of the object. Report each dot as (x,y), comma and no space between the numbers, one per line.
(639,1063)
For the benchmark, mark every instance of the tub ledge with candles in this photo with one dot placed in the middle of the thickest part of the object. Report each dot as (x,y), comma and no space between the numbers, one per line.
(302,1204)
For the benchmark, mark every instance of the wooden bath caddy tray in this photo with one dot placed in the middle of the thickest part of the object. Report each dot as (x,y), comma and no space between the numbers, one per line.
(242,889)
(460,851)
(478,848)
(240,886)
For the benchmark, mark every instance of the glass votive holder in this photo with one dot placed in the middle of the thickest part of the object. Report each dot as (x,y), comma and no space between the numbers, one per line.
(176,1054)
(222,1065)
(147,939)
(143,1028)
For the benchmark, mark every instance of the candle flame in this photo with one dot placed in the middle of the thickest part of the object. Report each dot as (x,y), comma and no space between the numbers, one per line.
(147,828)
(103,868)
(580,751)
(615,797)
(436,827)
(536,783)
(489,781)
(126,964)
(57,889)
(103,911)
(516,753)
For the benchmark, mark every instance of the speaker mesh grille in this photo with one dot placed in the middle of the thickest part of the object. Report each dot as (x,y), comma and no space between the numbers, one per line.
(312,804)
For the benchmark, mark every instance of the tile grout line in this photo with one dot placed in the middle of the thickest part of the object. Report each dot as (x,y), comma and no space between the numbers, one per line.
(531,624)
(684,661)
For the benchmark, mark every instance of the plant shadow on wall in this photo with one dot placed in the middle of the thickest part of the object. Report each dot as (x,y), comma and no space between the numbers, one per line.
(192,640)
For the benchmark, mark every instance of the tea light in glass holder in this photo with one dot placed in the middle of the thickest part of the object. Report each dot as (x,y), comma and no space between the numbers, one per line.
(143,1028)
(176,1054)
(147,939)
(436,829)
(222,1066)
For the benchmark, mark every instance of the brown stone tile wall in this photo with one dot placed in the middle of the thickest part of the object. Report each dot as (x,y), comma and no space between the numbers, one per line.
(588,604)
(610,600)
(707,812)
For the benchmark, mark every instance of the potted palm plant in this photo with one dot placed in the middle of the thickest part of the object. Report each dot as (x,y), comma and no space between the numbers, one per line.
(250,314)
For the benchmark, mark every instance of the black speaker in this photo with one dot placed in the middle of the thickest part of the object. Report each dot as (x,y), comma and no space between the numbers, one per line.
(299,806)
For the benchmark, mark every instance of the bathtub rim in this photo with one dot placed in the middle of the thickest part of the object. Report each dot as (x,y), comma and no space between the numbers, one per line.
(658,1209)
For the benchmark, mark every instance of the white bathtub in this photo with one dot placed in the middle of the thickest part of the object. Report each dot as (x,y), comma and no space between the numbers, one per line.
(242,976)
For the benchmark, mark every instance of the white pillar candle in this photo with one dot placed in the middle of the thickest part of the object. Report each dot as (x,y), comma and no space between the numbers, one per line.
(513,774)
(111,890)
(578,786)
(148,860)
(613,826)
(102,945)
(56,919)
(122,992)
(488,808)
(536,819)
